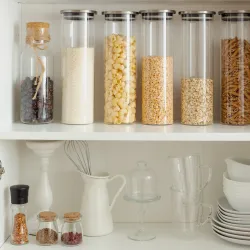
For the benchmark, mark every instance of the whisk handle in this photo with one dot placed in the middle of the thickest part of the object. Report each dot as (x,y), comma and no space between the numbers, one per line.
(119,190)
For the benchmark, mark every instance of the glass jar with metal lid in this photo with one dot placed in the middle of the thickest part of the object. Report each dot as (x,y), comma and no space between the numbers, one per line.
(157,67)
(235,67)
(197,68)
(120,67)
(78,42)
(72,229)
(47,233)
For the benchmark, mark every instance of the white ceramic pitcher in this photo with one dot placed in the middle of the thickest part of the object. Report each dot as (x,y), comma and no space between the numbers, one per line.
(96,209)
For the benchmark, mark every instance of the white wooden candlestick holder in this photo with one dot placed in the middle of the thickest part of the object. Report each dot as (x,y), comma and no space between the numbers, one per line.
(44,150)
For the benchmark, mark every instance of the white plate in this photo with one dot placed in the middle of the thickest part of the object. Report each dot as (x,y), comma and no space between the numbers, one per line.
(228,226)
(232,224)
(233,220)
(234,232)
(223,203)
(239,242)
(231,235)
(236,216)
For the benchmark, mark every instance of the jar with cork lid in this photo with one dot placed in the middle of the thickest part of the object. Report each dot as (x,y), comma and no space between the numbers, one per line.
(47,233)
(37,75)
(72,229)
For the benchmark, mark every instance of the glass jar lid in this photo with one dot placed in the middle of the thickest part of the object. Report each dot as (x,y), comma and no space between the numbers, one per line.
(78,14)
(120,15)
(37,31)
(235,15)
(157,14)
(72,217)
(197,15)
(47,216)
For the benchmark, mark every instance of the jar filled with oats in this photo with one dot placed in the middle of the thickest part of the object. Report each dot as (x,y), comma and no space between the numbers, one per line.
(235,67)
(197,75)
(157,67)
(120,67)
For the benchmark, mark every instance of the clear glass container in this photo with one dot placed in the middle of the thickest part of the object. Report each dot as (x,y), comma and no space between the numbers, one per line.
(235,58)
(47,233)
(197,73)
(37,85)
(19,200)
(78,47)
(72,229)
(120,67)
(157,67)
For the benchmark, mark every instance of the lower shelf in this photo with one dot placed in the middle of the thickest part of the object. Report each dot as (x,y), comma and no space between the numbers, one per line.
(166,238)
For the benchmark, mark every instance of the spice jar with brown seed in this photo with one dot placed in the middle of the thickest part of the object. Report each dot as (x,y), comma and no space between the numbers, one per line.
(197,82)
(157,67)
(19,200)
(235,67)
(47,233)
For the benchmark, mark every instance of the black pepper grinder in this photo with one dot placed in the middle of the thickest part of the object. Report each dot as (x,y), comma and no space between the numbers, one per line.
(19,200)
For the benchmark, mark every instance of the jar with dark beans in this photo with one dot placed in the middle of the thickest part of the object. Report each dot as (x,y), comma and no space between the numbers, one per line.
(72,229)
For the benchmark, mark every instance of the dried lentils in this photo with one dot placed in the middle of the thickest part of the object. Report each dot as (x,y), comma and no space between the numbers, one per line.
(157,90)
(196,101)
(120,79)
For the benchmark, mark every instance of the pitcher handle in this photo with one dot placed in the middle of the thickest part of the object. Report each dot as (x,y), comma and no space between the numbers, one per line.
(209,175)
(119,190)
(210,208)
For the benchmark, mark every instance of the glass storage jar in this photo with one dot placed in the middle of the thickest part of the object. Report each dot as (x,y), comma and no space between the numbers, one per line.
(47,233)
(78,42)
(235,60)
(197,73)
(37,83)
(157,67)
(72,229)
(19,200)
(120,67)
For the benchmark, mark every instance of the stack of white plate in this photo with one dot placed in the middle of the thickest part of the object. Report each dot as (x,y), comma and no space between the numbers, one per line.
(231,225)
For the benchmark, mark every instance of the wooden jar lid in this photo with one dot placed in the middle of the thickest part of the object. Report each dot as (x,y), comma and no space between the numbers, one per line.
(47,216)
(74,216)
(38,25)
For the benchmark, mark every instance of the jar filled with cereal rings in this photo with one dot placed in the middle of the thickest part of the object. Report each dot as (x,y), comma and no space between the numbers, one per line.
(19,200)
(120,67)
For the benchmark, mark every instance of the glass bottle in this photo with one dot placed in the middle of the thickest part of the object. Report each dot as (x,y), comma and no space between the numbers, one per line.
(197,73)
(235,58)
(47,233)
(19,200)
(78,47)
(157,67)
(120,67)
(37,85)
(72,229)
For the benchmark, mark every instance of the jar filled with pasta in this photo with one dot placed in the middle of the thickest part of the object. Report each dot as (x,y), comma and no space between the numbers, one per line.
(120,67)
(235,67)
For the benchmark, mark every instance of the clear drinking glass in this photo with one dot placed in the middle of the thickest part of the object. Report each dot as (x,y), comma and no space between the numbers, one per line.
(187,174)
(142,188)
(187,212)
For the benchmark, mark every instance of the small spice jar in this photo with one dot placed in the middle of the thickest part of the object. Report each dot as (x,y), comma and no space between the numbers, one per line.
(19,200)
(72,229)
(47,233)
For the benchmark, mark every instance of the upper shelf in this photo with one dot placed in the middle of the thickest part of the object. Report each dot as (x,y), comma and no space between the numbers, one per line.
(135,132)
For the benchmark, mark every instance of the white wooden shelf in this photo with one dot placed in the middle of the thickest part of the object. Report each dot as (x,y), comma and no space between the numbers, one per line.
(135,132)
(166,238)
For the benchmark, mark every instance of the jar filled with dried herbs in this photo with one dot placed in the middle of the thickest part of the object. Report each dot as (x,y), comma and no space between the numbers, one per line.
(19,200)
(47,233)
(235,67)
(72,229)
(37,76)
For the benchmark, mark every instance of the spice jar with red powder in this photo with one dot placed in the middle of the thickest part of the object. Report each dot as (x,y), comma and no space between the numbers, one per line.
(19,200)
(72,229)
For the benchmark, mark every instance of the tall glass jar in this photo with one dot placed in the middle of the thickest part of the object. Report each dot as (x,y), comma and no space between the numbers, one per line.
(157,67)
(47,233)
(197,73)
(78,45)
(72,229)
(37,76)
(120,67)
(19,200)
(235,61)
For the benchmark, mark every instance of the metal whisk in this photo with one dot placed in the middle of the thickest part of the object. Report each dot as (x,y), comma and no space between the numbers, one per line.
(78,153)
